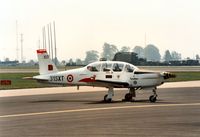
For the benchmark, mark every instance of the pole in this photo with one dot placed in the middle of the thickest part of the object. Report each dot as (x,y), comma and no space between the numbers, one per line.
(145,39)
(43,37)
(22,48)
(17,48)
(51,43)
(55,42)
(39,43)
(45,46)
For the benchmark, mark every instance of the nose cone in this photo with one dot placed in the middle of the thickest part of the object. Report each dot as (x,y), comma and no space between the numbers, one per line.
(168,75)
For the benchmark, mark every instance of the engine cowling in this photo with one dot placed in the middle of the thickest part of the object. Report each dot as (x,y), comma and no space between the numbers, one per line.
(168,75)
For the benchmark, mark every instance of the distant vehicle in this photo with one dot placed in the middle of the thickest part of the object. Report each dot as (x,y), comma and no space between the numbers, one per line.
(109,74)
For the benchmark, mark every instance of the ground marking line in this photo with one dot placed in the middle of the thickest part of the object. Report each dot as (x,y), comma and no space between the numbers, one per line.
(96,109)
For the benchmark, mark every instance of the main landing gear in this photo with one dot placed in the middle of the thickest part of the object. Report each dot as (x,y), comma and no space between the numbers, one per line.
(108,97)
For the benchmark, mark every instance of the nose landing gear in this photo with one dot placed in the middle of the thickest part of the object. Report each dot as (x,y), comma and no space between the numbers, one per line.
(153,98)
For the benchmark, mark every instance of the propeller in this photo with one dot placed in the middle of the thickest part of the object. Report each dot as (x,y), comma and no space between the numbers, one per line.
(168,75)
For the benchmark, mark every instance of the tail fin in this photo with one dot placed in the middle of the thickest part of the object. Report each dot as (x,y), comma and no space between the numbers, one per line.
(46,65)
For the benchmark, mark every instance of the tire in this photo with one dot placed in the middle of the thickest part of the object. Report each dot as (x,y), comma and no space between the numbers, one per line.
(152,98)
(107,100)
(128,97)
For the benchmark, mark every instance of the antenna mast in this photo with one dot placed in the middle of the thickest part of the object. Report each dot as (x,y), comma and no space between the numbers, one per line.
(22,47)
(43,37)
(51,43)
(145,40)
(55,42)
(17,48)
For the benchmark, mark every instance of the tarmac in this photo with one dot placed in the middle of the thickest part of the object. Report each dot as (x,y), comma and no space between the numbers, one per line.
(70,112)
(57,90)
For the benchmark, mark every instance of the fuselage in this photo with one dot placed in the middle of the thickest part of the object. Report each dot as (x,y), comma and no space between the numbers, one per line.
(105,74)
(109,74)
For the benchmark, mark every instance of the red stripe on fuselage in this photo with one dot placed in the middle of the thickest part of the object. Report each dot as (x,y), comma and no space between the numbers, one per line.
(92,79)
(41,51)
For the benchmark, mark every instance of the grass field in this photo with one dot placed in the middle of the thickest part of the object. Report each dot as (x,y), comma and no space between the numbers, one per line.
(185,76)
(18,82)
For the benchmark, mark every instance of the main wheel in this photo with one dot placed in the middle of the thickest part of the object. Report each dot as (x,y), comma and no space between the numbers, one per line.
(152,98)
(128,97)
(108,100)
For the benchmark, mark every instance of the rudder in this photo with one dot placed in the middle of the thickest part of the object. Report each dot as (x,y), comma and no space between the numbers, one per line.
(46,65)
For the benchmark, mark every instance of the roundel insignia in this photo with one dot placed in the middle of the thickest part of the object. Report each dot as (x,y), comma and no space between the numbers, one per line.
(70,78)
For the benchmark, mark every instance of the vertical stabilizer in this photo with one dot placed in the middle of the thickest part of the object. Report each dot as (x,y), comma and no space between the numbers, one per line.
(46,65)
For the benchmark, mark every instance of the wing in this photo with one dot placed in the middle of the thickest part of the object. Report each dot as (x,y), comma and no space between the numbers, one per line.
(104,83)
(113,83)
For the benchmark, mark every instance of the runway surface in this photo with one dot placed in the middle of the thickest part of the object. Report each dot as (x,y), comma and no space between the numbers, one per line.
(176,113)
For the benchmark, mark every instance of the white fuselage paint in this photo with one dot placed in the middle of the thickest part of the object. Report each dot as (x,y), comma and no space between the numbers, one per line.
(89,75)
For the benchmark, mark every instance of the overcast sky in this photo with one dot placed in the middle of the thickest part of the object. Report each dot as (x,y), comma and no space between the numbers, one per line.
(83,25)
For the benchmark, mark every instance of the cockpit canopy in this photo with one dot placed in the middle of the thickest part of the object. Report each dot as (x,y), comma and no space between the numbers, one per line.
(115,66)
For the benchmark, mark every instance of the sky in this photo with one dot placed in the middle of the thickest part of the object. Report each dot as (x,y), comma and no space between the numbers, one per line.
(83,25)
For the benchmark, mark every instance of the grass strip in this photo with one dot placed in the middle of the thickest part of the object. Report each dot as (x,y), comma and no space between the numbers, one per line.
(18,82)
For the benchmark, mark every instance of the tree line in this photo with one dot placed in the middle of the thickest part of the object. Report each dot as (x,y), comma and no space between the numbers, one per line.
(150,53)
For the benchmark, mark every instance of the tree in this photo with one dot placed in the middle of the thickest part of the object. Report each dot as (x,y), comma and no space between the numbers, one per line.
(197,57)
(23,61)
(6,59)
(152,53)
(63,62)
(79,62)
(91,56)
(31,62)
(175,55)
(109,51)
(140,51)
(167,56)
(71,62)
(56,61)
(125,49)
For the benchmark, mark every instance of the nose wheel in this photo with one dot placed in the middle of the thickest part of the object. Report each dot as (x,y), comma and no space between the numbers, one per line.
(153,98)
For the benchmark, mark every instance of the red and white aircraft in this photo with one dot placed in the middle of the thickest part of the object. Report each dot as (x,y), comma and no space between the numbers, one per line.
(109,74)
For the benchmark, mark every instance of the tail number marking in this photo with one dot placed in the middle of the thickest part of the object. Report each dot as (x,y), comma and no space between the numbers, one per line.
(56,78)
(70,78)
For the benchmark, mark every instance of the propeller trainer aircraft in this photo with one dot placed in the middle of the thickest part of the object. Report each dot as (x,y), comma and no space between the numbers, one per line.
(109,74)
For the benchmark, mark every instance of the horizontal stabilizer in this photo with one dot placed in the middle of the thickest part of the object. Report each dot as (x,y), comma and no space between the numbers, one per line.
(28,78)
